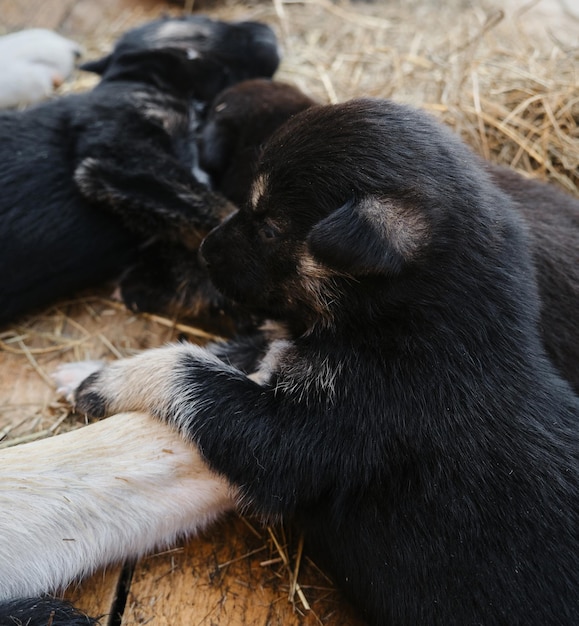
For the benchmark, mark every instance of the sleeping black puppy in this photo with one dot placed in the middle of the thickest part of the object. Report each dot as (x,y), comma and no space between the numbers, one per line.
(244,116)
(406,416)
(232,51)
(238,123)
(91,180)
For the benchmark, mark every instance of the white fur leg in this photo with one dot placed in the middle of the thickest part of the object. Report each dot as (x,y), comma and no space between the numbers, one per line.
(108,491)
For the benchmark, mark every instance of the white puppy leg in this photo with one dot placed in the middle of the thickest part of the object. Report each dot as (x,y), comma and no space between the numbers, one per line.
(108,491)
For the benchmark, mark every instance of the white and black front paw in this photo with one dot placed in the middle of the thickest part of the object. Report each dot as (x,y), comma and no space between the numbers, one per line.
(159,381)
(68,376)
(79,383)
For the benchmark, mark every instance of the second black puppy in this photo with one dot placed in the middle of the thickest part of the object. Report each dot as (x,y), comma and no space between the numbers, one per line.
(406,417)
(89,179)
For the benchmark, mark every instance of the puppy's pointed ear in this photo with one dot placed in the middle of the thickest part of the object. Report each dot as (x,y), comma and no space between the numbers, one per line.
(371,236)
(97,67)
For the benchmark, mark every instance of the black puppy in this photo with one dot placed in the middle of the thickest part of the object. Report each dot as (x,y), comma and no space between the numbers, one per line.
(406,417)
(552,217)
(231,51)
(239,122)
(244,116)
(89,180)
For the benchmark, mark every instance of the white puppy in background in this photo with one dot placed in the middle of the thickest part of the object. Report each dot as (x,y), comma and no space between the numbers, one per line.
(34,62)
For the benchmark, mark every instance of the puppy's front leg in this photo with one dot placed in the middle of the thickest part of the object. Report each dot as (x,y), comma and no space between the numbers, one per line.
(145,382)
(263,438)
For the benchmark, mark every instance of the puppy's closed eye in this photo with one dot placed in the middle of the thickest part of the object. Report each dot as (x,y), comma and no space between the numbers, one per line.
(268,232)
(369,236)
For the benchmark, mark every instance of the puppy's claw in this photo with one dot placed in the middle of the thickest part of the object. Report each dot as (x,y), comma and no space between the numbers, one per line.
(87,398)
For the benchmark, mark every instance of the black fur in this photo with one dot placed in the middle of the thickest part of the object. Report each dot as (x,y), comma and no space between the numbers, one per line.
(43,612)
(238,123)
(170,279)
(242,118)
(408,420)
(95,183)
(230,51)
(553,220)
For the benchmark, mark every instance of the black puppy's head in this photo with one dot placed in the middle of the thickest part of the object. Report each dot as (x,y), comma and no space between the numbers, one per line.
(170,70)
(238,123)
(226,53)
(355,207)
